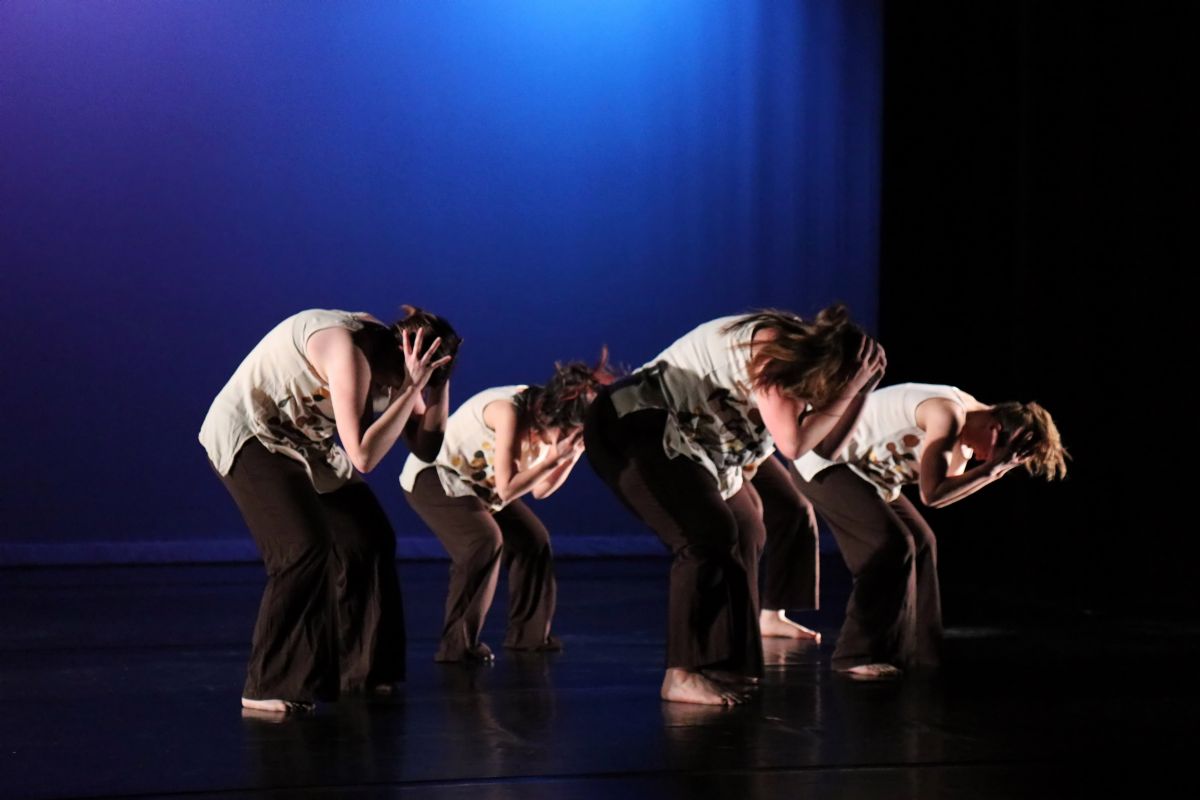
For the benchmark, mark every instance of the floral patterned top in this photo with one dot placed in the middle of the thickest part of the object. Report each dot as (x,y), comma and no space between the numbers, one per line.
(886,445)
(702,381)
(277,397)
(466,464)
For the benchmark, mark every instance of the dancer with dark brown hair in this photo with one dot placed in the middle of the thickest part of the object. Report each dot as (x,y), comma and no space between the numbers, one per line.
(674,441)
(331,618)
(500,445)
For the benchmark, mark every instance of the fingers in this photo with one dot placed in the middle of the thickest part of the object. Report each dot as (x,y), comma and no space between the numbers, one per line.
(871,355)
(570,444)
(1015,439)
(404,346)
(431,352)
(416,346)
(1021,444)
(877,355)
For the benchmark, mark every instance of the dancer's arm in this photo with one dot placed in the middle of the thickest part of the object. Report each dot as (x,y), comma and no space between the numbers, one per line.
(840,434)
(346,370)
(551,483)
(942,421)
(511,482)
(426,425)
(796,431)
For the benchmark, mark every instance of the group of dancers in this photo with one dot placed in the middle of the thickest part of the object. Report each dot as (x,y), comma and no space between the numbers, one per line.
(688,443)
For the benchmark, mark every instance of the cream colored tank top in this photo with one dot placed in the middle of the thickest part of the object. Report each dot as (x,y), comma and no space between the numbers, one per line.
(277,397)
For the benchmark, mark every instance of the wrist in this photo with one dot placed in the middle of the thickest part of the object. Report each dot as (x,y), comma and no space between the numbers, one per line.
(853,389)
(839,406)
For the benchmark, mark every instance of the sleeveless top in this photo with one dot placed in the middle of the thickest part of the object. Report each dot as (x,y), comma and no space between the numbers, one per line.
(886,445)
(466,463)
(702,382)
(277,397)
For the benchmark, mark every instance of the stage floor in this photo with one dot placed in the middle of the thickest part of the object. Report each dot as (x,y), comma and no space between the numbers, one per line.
(124,682)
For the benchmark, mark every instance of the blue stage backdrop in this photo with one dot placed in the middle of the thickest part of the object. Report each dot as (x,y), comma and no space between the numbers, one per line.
(176,177)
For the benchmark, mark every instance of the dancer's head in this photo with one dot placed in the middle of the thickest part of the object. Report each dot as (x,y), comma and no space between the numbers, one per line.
(435,327)
(382,345)
(812,360)
(995,426)
(557,409)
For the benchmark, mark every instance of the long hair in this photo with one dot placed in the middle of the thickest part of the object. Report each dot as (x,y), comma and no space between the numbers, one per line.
(564,399)
(1049,459)
(809,359)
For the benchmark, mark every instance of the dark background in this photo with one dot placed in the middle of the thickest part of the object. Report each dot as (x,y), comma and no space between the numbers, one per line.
(1032,217)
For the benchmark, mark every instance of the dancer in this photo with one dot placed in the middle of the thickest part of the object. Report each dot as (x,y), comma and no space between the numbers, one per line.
(500,445)
(331,617)
(949,444)
(673,441)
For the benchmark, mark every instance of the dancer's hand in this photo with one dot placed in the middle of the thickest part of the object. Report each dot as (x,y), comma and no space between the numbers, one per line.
(872,363)
(1017,450)
(419,368)
(568,446)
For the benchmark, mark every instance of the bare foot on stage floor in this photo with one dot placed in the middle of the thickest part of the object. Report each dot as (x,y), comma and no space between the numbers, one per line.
(277,706)
(685,686)
(775,624)
(873,672)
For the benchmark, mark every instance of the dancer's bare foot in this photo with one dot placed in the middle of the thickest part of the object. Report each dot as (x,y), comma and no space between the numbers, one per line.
(277,706)
(685,686)
(775,624)
(873,672)
(271,717)
(479,654)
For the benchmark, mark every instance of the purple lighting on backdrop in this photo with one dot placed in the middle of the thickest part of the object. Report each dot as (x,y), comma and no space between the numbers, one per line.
(178,176)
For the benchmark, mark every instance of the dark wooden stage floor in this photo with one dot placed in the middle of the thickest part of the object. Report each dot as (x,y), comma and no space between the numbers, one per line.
(124,682)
